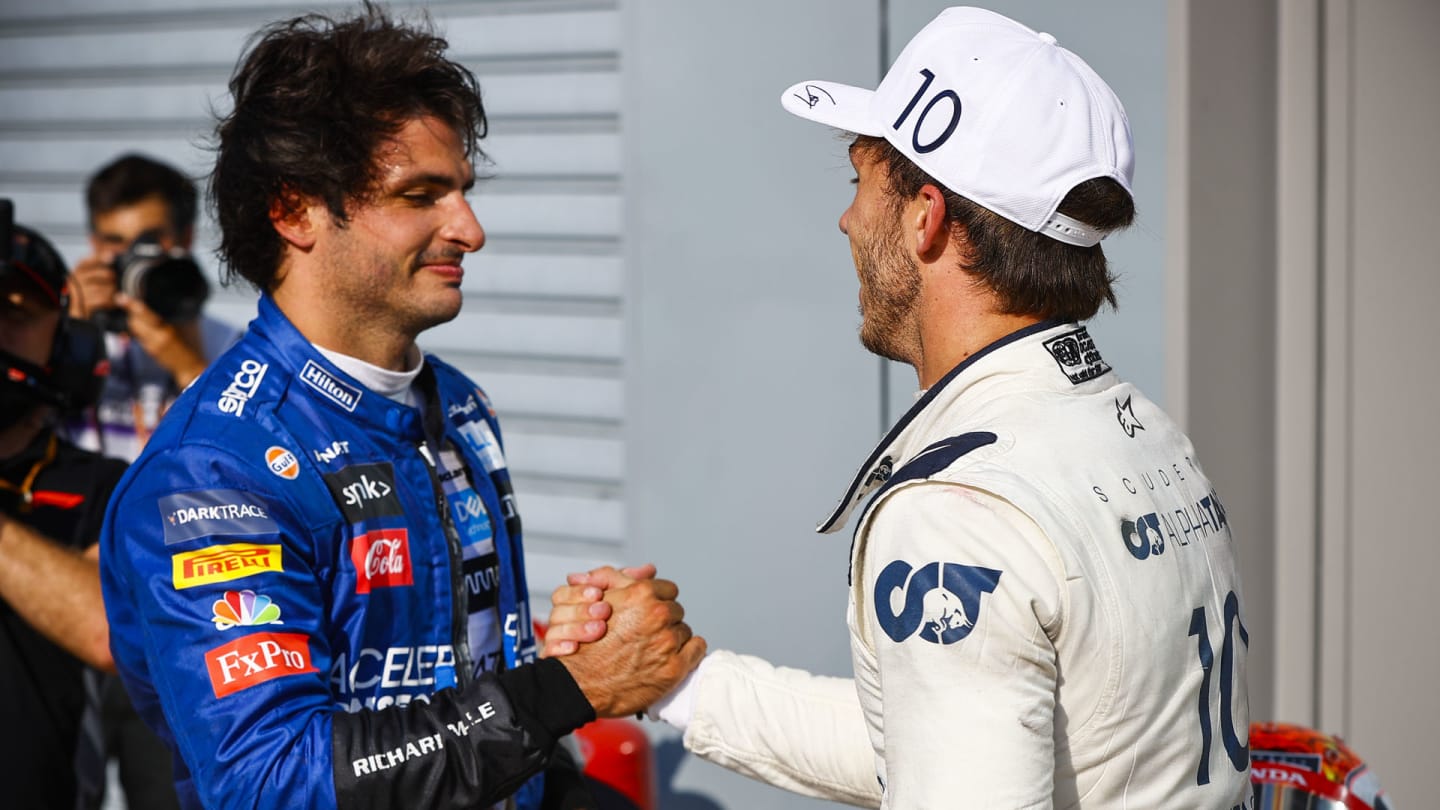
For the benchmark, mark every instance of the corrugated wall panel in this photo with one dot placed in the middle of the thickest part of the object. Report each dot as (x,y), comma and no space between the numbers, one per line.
(82,81)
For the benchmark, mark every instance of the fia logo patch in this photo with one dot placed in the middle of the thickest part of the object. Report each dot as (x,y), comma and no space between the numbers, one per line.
(939,600)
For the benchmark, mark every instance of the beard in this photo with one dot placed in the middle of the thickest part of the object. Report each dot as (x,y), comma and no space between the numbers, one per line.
(889,290)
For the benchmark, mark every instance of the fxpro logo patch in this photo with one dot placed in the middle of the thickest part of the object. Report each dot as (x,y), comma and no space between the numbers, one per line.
(254,659)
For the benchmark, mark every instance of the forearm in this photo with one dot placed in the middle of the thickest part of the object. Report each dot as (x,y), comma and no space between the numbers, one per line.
(791,729)
(56,590)
(469,747)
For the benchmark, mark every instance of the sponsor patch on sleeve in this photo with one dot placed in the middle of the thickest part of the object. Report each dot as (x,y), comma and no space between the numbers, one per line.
(939,602)
(254,659)
(224,563)
(213,513)
(244,609)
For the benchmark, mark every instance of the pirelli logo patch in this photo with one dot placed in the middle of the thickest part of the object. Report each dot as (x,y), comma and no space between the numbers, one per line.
(224,563)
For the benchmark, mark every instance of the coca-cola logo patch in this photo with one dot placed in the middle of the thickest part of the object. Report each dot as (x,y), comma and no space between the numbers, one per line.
(382,559)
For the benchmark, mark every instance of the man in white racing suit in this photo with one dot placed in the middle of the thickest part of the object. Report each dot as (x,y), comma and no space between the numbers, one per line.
(1045,608)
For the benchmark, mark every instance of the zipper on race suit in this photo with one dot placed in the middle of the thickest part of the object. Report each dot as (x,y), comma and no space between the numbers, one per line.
(459,617)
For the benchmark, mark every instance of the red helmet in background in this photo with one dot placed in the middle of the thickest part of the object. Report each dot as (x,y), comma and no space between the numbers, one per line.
(1298,768)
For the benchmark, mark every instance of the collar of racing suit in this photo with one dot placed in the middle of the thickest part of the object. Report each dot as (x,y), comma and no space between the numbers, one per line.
(1025,351)
(339,390)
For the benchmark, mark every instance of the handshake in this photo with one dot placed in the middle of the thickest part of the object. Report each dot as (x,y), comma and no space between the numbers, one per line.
(622,636)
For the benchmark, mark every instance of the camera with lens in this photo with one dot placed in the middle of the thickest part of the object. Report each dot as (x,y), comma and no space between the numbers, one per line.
(168,281)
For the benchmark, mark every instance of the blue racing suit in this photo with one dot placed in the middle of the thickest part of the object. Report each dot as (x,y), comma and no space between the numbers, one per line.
(316,594)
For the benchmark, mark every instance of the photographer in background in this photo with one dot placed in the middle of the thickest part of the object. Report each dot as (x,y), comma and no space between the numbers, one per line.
(52,501)
(142,286)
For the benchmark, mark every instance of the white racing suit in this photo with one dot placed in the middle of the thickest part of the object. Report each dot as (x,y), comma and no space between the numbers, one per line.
(1045,610)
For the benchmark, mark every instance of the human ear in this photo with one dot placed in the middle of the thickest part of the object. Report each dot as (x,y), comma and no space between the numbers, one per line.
(929,222)
(294,216)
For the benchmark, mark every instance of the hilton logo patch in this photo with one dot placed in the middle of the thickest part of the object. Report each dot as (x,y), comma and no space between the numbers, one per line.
(342,394)
(1076,353)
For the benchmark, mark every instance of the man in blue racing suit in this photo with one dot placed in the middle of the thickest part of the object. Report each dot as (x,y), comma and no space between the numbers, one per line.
(313,573)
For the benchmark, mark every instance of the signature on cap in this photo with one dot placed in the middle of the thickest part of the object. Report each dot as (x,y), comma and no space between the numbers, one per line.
(811,99)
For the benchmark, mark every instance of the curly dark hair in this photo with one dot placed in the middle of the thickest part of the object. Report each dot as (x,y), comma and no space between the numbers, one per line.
(1029,272)
(314,98)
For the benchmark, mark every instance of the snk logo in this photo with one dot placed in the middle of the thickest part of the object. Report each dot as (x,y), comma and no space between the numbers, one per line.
(941,600)
(366,489)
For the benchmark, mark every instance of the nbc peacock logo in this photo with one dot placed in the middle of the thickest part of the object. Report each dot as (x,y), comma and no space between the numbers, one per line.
(244,609)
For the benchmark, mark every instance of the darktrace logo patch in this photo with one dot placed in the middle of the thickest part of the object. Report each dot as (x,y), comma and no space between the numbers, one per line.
(213,513)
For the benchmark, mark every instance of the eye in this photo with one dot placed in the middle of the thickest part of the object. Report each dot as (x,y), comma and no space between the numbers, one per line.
(855,181)
(419,197)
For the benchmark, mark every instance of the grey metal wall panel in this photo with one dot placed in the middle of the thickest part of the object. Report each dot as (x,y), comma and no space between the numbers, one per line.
(82,81)
(1388,290)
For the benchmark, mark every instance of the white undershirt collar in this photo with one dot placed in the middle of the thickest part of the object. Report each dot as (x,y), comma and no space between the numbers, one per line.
(394,385)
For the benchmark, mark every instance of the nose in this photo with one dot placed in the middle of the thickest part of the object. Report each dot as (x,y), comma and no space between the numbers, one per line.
(844,215)
(465,229)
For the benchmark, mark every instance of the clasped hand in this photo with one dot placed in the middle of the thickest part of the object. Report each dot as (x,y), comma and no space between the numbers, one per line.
(621,635)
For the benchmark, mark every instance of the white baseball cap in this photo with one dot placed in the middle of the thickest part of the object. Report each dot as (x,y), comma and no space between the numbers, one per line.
(997,112)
